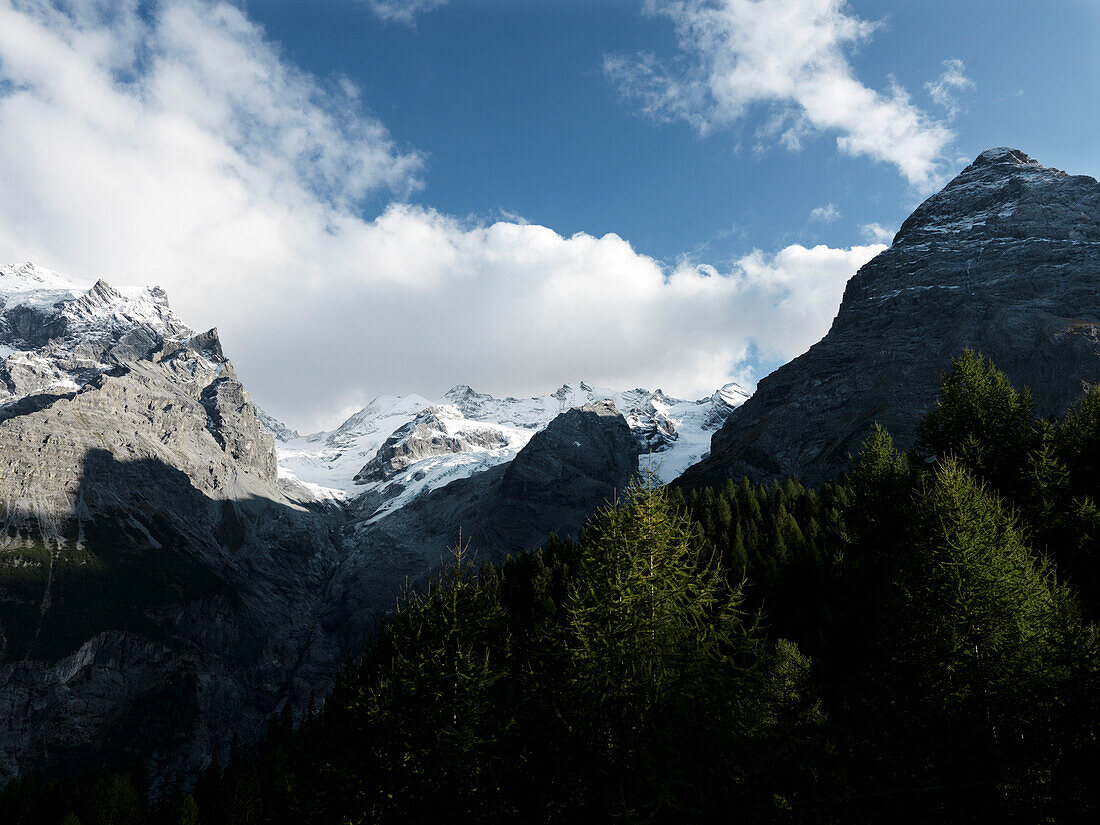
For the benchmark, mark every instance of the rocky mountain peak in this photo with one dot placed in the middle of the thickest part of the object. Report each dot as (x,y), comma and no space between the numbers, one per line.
(208,343)
(60,336)
(1005,193)
(731,394)
(1005,155)
(438,430)
(591,442)
(104,292)
(147,546)
(466,398)
(1005,259)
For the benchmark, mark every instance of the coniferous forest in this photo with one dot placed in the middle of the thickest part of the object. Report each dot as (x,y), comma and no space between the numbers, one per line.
(915,641)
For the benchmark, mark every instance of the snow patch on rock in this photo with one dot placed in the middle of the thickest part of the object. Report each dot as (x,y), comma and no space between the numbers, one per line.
(398,447)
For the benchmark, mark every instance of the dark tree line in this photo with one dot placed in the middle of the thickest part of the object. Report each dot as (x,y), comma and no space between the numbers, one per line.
(913,642)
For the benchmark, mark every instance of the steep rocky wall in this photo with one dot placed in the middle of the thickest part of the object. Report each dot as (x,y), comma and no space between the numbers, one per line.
(158,594)
(1005,260)
(579,462)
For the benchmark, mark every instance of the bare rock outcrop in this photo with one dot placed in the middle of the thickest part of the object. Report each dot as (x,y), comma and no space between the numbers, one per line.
(1005,260)
(436,430)
(580,461)
(158,593)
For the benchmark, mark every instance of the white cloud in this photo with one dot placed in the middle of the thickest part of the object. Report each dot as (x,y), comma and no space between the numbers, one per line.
(876,233)
(945,89)
(182,149)
(403,11)
(789,55)
(825,214)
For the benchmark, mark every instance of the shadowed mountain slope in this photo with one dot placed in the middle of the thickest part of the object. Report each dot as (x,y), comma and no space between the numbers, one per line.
(1005,260)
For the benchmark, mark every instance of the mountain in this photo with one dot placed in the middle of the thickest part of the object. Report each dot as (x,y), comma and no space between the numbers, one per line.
(176,565)
(397,448)
(158,592)
(412,478)
(578,462)
(168,580)
(1005,260)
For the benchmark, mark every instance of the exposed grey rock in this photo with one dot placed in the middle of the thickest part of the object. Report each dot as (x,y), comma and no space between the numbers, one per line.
(431,433)
(279,430)
(579,462)
(652,427)
(1005,260)
(161,590)
(158,593)
(233,422)
(584,454)
(467,399)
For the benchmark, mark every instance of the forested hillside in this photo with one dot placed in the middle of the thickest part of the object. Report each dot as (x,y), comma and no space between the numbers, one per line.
(914,641)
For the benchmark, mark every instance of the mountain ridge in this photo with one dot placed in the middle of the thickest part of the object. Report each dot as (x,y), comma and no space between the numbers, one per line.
(162,548)
(466,431)
(162,589)
(1004,259)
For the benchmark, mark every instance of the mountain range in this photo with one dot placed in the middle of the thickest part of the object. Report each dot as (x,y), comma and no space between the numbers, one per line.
(396,448)
(176,565)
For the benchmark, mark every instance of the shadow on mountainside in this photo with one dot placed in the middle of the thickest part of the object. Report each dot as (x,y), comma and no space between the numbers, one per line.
(149,616)
(151,621)
(580,462)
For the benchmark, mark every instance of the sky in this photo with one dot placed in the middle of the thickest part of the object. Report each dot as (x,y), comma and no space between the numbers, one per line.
(375,197)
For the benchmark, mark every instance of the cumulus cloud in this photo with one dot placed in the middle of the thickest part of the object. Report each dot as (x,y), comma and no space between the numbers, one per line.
(403,11)
(789,56)
(825,214)
(876,233)
(180,148)
(946,88)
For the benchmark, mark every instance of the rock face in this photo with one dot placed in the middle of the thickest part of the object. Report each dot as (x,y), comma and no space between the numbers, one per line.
(158,593)
(162,590)
(584,455)
(579,462)
(431,433)
(1005,260)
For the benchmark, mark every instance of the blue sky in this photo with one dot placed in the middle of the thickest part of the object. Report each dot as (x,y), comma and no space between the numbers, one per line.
(371,196)
(509,101)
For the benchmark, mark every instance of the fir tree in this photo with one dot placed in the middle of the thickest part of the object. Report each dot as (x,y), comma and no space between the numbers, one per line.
(981,420)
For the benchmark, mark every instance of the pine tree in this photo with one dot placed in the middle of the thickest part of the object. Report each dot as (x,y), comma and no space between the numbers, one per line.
(983,632)
(1077,442)
(982,421)
(431,696)
(655,640)
(188,812)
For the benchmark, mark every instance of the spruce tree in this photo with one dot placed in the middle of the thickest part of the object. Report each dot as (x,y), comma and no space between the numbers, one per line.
(429,704)
(983,636)
(981,420)
(657,645)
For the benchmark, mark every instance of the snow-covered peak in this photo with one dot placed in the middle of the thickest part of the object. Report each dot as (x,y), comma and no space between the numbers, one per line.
(277,428)
(438,430)
(1004,193)
(57,333)
(139,304)
(399,446)
(30,284)
(733,394)
(38,305)
(1005,154)
(465,397)
(374,418)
